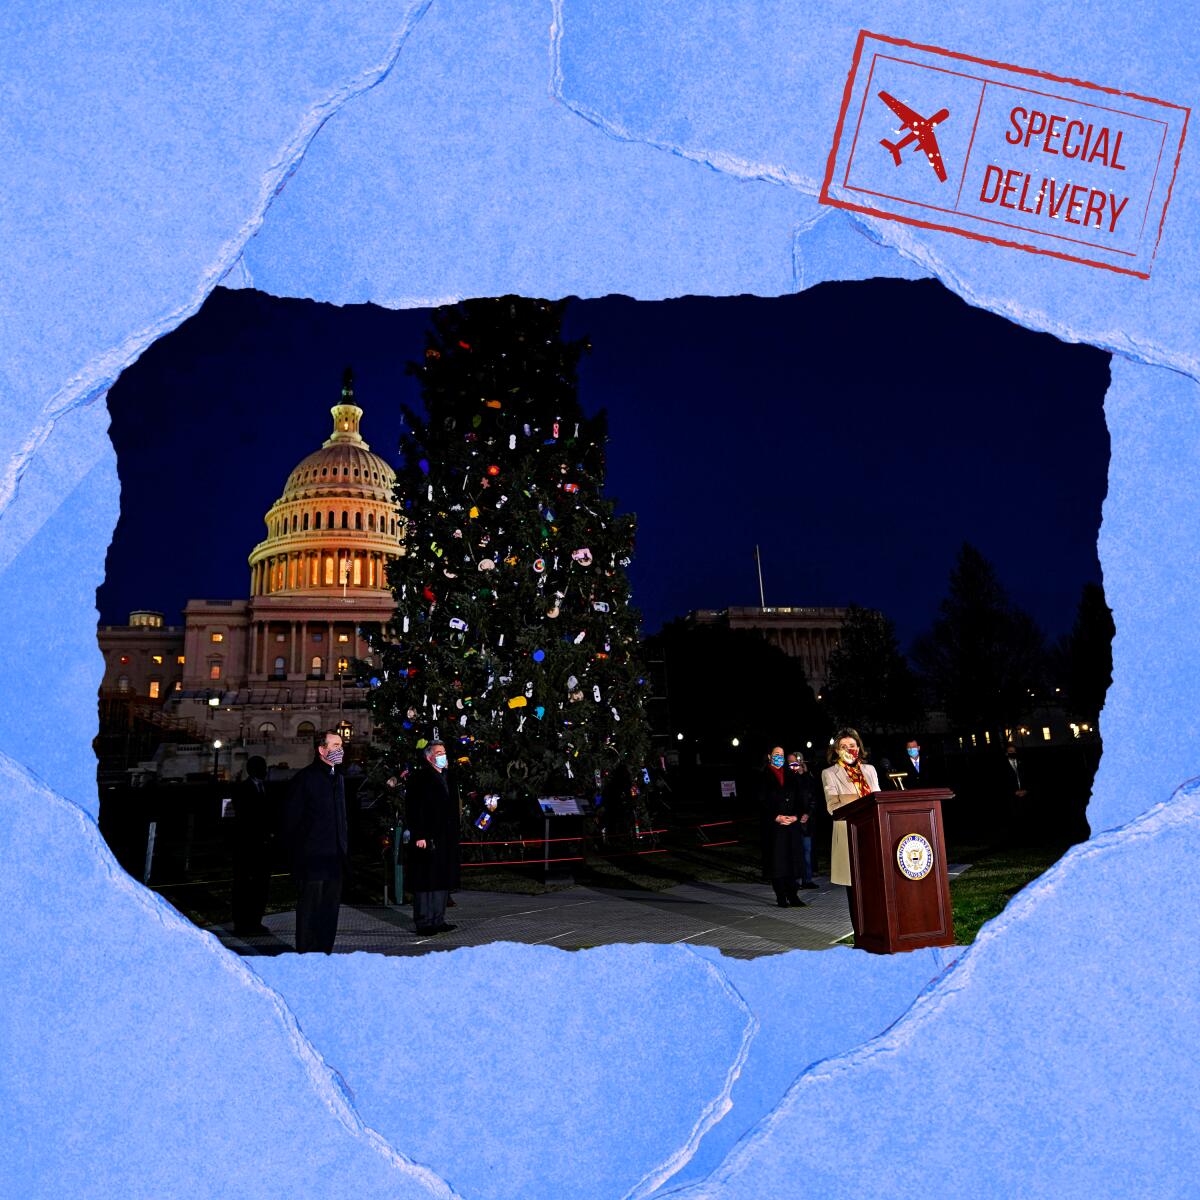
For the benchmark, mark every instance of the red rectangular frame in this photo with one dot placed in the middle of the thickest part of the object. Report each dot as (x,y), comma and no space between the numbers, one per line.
(827,199)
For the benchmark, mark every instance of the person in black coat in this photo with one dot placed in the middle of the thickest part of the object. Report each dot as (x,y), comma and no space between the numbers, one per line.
(315,830)
(432,817)
(780,806)
(252,824)
(810,799)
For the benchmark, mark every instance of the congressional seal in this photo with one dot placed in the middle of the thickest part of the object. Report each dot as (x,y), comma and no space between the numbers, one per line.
(914,856)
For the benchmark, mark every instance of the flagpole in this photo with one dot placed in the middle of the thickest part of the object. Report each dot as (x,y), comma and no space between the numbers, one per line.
(758,559)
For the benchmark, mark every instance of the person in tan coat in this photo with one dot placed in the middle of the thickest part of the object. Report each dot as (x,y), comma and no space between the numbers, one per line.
(845,781)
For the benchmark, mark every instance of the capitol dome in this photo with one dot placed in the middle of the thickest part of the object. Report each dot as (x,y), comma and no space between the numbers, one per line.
(336,525)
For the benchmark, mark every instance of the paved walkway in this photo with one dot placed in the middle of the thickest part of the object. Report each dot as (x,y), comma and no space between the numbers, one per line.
(740,919)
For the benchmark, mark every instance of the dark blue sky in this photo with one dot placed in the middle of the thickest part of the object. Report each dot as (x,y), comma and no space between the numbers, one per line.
(859,432)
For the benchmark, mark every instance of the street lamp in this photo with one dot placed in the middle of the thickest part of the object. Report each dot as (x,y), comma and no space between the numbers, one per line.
(679,737)
(216,755)
(736,743)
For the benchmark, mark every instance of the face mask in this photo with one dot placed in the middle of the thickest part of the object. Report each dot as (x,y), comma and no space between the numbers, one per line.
(777,760)
(333,757)
(439,761)
(848,756)
(913,752)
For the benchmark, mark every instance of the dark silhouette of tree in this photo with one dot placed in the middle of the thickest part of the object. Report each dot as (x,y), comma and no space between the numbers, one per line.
(870,683)
(724,683)
(984,656)
(1083,657)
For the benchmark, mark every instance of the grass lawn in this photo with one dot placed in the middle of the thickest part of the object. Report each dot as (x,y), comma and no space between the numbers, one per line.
(994,878)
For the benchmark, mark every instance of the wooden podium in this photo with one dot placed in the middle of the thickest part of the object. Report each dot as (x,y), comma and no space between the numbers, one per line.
(898,865)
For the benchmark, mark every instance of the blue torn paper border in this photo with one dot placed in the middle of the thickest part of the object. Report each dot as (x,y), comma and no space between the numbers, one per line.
(432,150)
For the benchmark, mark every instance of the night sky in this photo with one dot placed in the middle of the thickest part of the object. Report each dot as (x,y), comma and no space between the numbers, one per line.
(859,432)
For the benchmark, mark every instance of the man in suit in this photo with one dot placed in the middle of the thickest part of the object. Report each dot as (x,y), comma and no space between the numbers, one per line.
(251,861)
(921,773)
(432,816)
(810,797)
(315,827)
(1013,787)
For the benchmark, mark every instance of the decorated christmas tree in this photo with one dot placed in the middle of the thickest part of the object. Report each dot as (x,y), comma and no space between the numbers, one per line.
(513,639)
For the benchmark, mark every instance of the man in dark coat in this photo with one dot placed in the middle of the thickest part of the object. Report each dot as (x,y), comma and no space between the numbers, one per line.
(810,798)
(252,824)
(315,827)
(1012,790)
(780,807)
(432,817)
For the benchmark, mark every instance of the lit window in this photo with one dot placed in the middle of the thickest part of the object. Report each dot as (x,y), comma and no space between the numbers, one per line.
(281,637)
(345,730)
(155,689)
(328,571)
(214,670)
(156,659)
(123,684)
(216,637)
(987,736)
(973,741)
(1045,733)
(358,570)
(343,637)
(316,664)
(181,660)
(280,666)
(178,687)
(267,728)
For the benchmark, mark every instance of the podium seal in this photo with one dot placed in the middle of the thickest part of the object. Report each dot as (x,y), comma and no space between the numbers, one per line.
(914,856)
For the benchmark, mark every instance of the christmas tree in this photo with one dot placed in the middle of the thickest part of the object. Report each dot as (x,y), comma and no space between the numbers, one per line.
(513,639)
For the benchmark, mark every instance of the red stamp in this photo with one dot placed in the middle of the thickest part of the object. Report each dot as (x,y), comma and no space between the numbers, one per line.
(1004,154)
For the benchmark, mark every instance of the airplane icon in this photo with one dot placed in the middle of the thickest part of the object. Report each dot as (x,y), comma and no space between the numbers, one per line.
(920,131)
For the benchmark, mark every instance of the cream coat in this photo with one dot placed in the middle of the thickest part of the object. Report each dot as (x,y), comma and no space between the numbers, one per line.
(838,791)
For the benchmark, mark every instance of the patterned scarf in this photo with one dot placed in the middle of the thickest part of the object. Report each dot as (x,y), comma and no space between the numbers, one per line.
(855,774)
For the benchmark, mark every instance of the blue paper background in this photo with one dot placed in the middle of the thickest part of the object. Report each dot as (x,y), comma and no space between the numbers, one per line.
(435,150)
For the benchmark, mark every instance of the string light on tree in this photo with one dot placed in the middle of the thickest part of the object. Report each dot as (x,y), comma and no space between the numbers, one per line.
(513,592)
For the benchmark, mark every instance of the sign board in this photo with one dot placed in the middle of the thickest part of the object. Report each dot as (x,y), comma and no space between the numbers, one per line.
(561,806)
(728,787)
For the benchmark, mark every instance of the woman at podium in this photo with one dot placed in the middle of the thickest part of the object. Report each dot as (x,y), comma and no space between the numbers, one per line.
(845,781)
